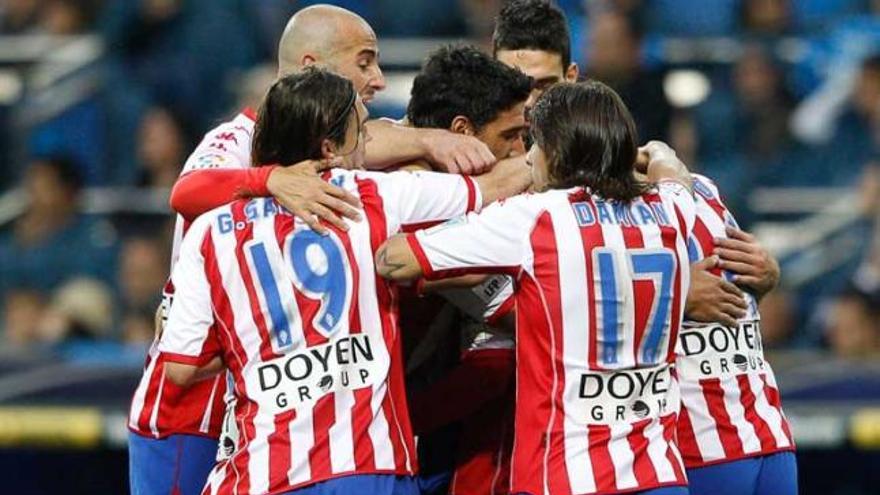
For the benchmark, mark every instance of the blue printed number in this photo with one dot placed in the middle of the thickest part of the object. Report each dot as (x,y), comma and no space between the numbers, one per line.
(656,265)
(320,271)
(280,321)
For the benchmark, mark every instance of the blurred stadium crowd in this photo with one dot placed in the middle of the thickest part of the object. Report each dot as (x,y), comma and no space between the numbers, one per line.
(761,95)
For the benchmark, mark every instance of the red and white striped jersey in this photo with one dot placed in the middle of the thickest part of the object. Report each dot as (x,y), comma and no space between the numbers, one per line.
(307,330)
(600,291)
(730,401)
(159,408)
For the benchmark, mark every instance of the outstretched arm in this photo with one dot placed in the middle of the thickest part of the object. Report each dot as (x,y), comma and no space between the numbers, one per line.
(508,178)
(298,188)
(392,144)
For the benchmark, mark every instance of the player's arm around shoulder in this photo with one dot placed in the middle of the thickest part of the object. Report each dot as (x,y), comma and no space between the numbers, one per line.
(509,177)
(394,143)
(660,163)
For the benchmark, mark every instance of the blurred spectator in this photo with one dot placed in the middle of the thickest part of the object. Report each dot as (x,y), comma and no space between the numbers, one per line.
(184,52)
(743,131)
(163,145)
(479,15)
(778,318)
(19,16)
(253,85)
(766,17)
(51,242)
(853,139)
(67,17)
(613,57)
(22,313)
(143,270)
(764,105)
(715,18)
(853,326)
(80,309)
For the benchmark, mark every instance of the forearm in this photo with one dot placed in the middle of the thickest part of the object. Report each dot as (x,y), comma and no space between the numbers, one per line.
(200,191)
(186,375)
(508,178)
(673,170)
(392,144)
(659,163)
(396,260)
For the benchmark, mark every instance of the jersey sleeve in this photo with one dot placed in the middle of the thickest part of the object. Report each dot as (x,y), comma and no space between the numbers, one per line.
(420,199)
(203,190)
(226,146)
(494,241)
(678,200)
(187,337)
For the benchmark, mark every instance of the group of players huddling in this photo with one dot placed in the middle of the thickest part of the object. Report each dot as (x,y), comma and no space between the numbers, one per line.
(612,342)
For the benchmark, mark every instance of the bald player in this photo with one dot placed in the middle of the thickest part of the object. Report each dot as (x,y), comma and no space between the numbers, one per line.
(343,42)
(173,433)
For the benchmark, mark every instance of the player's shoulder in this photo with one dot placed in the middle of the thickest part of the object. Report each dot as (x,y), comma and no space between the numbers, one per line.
(705,187)
(365,179)
(236,215)
(241,123)
(354,180)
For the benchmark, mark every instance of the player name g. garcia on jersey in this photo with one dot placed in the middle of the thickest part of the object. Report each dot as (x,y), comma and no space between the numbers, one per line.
(302,377)
(612,396)
(718,351)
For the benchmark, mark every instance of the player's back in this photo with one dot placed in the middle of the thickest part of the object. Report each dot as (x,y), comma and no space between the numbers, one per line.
(731,406)
(606,290)
(307,329)
(311,342)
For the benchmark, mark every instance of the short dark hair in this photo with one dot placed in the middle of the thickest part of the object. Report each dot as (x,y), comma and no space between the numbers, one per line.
(461,80)
(532,25)
(299,112)
(589,138)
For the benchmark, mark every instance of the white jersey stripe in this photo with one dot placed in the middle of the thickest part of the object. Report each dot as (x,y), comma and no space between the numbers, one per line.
(302,439)
(379,431)
(341,436)
(258,451)
(622,456)
(154,416)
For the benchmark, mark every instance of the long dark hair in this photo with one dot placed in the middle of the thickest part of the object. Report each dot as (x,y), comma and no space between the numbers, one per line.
(299,112)
(589,138)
